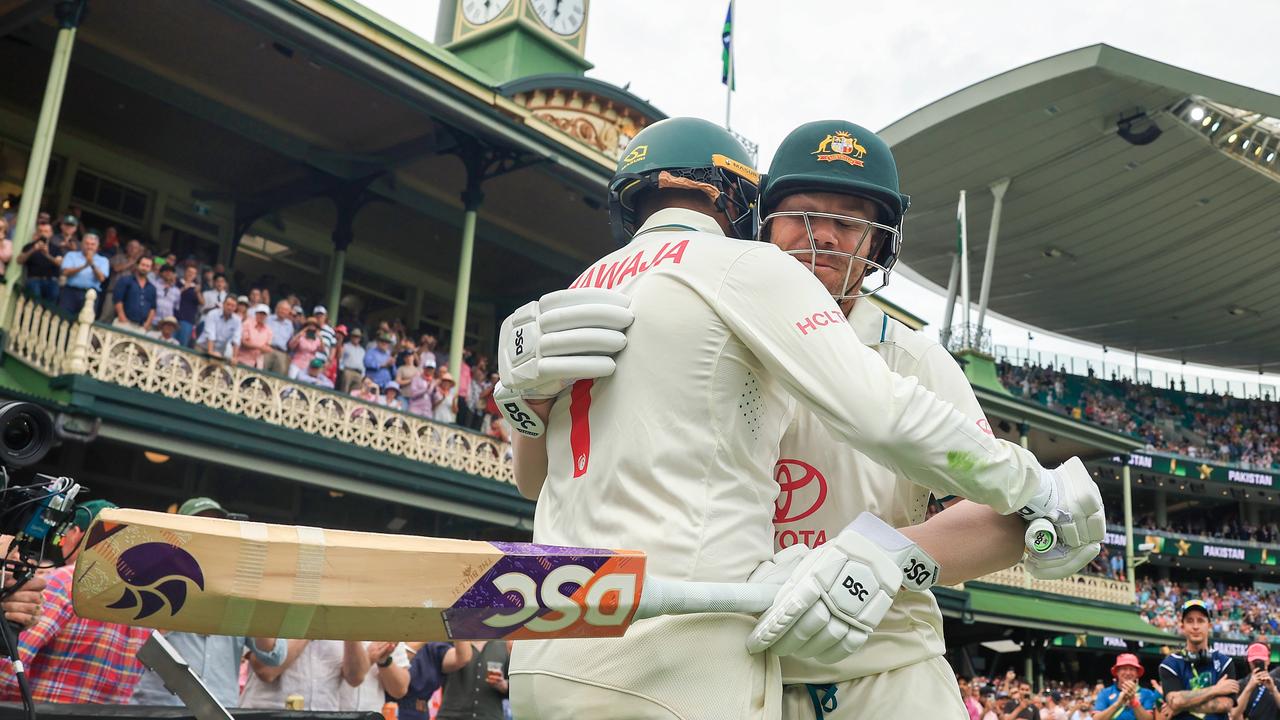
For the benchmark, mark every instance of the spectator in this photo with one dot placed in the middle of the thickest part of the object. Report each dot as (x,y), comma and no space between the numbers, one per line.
(315,374)
(42,260)
(498,430)
(255,338)
(418,392)
(314,669)
(327,334)
(168,294)
(351,364)
(6,245)
(427,350)
(70,659)
(282,330)
(135,298)
(1020,705)
(968,694)
(297,317)
(214,297)
(378,360)
(368,391)
(391,396)
(427,672)
(444,403)
(166,331)
(84,270)
(215,658)
(477,689)
(189,302)
(122,266)
(387,674)
(68,236)
(221,334)
(242,308)
(1259,700)
(303,347)
(408,369)
(1198,681)
(1125,699)
(110,241)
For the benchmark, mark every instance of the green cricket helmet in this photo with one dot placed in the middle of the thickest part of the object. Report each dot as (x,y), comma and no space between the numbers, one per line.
(685,153)
(834,156)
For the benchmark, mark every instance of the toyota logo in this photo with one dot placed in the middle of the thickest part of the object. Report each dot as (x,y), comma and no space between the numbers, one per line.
(801,490)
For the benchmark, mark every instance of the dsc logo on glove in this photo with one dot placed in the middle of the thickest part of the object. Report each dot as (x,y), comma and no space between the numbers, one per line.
(855,588)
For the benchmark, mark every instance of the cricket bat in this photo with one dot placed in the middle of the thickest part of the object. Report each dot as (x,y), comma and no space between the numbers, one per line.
(227,577)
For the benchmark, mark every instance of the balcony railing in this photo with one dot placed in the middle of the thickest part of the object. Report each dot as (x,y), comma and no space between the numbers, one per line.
(1084,587)
(54,345)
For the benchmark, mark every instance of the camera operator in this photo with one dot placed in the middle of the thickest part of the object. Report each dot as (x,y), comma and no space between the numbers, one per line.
(70,659)
(1259,700)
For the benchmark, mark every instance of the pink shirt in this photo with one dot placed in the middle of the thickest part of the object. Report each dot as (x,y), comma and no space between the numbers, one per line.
(305,349)
(254,338)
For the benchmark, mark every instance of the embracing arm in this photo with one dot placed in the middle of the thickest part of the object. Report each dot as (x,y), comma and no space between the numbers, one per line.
(969,540)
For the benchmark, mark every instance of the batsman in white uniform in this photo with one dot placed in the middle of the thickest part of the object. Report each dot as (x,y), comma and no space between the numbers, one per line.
(832,201)
(671,452)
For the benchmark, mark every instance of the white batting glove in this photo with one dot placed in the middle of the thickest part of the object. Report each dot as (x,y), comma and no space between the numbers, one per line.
(565,336)
(833,596)
(517,411)
(1060,561)
(1069,499)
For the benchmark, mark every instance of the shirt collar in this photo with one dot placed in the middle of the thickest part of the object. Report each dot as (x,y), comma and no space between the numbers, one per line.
(680,219)
(868,322)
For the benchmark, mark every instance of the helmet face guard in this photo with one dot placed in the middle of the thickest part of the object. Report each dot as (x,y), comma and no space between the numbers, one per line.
(731,186)
(883,243)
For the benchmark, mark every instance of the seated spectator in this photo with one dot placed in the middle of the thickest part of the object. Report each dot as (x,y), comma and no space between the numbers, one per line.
(221,336)
(43,261)
(315,374)
(391,396)
(84,270)
(60,642)
(166,330)
(135,298)
(255,338)
(303,347)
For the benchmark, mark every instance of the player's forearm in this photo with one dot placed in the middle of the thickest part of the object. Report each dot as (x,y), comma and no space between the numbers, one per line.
(969,540)
(529,459)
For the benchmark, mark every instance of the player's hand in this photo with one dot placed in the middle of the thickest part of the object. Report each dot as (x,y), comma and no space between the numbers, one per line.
(565,336)
(831,600)
(1060,561)
(1069,498)
(1227,686)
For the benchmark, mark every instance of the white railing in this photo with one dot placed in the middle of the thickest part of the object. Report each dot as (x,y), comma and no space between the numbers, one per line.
(54,345)
(1085,587)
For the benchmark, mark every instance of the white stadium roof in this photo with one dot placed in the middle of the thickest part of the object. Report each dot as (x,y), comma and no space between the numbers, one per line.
(1167,242)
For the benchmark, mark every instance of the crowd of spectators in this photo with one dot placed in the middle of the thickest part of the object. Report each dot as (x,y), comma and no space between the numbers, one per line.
(1239,612)
(69,659)
(1222,524)
(1012,697)
(1214,427)
(184,302)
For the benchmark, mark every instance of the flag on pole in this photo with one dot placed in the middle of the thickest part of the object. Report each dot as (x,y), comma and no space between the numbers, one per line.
(726,56)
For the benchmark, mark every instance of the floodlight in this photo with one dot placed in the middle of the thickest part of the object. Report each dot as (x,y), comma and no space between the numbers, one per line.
(1197,113)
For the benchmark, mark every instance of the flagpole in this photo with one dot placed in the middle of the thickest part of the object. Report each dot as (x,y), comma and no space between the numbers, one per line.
(728,95)
(964,267)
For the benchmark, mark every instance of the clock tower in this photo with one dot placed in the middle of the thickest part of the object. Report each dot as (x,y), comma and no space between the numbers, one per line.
(512,39)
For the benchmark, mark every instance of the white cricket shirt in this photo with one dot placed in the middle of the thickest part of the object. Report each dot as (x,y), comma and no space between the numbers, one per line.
(672,453)
(824,484)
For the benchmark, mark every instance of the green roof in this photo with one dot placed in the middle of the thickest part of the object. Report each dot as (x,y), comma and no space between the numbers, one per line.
(1068,616)
(20,381)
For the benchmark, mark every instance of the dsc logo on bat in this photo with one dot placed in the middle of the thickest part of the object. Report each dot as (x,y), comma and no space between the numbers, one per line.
(606,599)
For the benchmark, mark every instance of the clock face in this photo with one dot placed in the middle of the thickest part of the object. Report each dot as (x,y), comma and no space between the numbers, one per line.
(563,17)
(479,12)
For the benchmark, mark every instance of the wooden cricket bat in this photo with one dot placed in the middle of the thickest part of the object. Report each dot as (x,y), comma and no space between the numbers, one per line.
(226,577)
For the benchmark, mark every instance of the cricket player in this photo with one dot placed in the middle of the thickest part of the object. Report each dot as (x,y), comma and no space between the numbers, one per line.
(832,201)
(670,453)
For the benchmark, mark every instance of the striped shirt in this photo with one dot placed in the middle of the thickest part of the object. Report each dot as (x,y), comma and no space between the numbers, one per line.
(73,660)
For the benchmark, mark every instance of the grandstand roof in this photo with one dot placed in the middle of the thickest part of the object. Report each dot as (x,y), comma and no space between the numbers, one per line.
(1166,247)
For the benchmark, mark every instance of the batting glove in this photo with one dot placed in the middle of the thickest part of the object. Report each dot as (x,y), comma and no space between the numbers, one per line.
(1069,499)
(1060,561)
(833,596)
(565,336)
